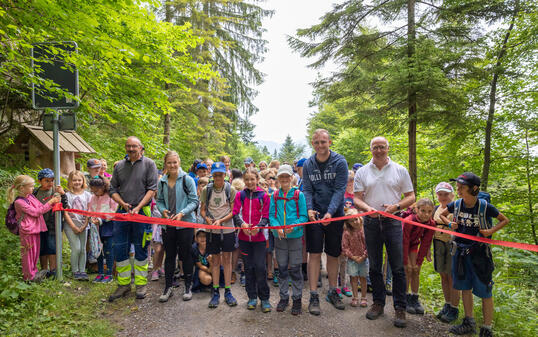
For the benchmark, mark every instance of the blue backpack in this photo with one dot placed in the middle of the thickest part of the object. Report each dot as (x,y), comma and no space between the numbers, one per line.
(483,199)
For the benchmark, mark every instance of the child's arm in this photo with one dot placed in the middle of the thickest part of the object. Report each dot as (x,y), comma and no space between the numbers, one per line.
(443,216)
(202,267)
(70,222)
(425,243)
(503,221)
(35,211)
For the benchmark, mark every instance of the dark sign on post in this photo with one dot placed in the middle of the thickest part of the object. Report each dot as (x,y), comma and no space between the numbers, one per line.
(48,62)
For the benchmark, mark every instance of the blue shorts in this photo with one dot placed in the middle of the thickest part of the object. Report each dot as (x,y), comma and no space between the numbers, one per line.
(357,269)
(48,244)
(470,280)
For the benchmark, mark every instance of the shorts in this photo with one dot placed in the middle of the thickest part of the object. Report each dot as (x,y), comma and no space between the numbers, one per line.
(326,239)
(357,269)
(216,245)
(470,280)
(442,258)
(48,244)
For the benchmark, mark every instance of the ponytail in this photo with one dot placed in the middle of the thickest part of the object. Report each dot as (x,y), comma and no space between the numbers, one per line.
(14,190)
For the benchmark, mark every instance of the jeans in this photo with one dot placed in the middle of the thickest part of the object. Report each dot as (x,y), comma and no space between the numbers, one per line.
(253,254)
(177,242)
(379,231)
(107,255)
(289,254)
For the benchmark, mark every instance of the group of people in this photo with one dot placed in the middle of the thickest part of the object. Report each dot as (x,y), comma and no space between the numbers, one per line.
(252,214)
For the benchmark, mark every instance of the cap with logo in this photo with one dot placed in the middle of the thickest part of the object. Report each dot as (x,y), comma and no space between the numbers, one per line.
(444,187)
(93,163)
(468,178)
(218,167)
(201,166)
(248,160)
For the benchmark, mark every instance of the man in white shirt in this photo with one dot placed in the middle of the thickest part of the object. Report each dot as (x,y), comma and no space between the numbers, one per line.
(379,185)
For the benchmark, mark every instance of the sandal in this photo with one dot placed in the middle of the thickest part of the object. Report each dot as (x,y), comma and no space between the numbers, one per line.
(354,302)
(364,302)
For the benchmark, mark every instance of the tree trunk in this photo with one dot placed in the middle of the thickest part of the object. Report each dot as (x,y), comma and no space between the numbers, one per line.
(166,126)
(493,100)
(411,94)
(529,188)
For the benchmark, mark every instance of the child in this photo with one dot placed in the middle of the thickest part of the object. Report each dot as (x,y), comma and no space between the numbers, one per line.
(202,271)
(29,214)
(442,248)
(342,260)
(47,252)
(102,202)
(77,198)
(472,264)
(102,171)
(416,245)
(251,208)
(216,209)
(354,248)
(288,207)
(238,184)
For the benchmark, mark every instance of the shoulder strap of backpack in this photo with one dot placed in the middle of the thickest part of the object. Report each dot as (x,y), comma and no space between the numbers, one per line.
(296,199)
(185,188)
(209,190)
(275,197)
(457,206)
(243,196)
(482,205)
(228,191)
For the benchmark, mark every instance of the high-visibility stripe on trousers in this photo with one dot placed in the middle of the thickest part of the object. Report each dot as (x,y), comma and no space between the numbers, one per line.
(124,272)
(141,272)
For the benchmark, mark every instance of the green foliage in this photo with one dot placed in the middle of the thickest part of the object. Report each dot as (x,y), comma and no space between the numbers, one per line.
(290,151)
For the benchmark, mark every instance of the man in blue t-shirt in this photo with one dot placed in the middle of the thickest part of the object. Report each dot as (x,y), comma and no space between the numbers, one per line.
(468,276)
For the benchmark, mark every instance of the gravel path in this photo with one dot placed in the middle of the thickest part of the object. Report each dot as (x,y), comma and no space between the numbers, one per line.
(148,317)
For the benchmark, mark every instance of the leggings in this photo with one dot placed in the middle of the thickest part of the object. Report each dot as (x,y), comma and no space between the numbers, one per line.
(178,242)
(77,242)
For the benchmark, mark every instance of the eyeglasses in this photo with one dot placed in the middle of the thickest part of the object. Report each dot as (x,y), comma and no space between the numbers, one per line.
(379,147)
(272,178)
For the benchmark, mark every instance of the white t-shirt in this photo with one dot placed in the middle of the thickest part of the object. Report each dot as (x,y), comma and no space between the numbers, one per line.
(384,186)
(78,201)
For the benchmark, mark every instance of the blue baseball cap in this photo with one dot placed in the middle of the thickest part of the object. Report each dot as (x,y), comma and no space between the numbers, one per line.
(45,173)
(300,162)
(201,166)
(357,166)
(248,160)
(218,167)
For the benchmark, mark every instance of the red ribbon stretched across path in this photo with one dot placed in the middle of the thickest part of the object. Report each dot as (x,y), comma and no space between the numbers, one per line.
(176,223)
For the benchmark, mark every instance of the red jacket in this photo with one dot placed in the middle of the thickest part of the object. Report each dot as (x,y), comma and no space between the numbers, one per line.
(251,211)
(413,236)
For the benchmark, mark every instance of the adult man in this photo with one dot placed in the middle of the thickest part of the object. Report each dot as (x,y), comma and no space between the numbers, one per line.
(379,185)
(324,184)
(133,185)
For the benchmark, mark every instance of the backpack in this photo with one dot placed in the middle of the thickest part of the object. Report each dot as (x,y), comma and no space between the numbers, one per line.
(227,190)
(11,221)
(487,197)
(243,196)
(295,198)
(482,219)
(185,189)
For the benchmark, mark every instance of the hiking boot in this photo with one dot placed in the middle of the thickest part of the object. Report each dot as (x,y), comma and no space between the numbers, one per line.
(296,307)
(313,306)
(214,302)
(485,332)
(166,295)
(266,306)
(419,309)
(399,318)
(141,291)
(375,311)
(121,291)
(282,304)
(443,311)
(252,303)
(467,326)
(334,298)
(230,299)
(451,315)
(410,307)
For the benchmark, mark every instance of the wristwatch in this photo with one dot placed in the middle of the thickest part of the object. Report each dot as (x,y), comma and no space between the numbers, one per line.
(399,206)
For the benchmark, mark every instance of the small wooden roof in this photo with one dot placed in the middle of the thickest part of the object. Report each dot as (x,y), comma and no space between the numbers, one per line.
(70,141)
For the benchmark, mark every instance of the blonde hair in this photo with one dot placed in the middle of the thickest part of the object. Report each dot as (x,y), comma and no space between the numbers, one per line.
(347,223)
(274,164)
(170,154)
(15,190)
(350,175)
(72,175)
(238,184)
(423,202)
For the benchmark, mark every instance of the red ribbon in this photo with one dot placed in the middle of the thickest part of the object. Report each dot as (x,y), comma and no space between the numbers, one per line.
(184,224)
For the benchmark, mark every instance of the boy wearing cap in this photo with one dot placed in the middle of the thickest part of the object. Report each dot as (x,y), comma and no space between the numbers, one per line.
(472,265)
(94,167)
(216,209)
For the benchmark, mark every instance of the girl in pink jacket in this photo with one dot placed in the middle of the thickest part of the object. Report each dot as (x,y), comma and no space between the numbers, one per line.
(29,212)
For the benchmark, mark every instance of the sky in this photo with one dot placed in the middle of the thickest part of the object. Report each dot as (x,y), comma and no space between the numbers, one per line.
(283,97)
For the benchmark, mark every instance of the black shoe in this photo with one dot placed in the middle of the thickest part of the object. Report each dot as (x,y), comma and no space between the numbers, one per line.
(451,315)
(335,300)
(313,307)
(282,304)
(410,306)
(485,332)
(419,309)
(296,307)
(443,311)
(467,326)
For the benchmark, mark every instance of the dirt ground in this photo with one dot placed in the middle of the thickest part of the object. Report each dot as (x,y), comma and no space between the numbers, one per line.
(148,317)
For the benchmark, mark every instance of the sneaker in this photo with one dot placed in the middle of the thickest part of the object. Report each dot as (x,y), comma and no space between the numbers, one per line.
(410,307)
(313,306)
(399,319)
(230,299)
(107,279)
(451,315)
(76,275)
(98,278)
(296,307)
(419,309)
(121,291)
(155,275)
(339,292)
(375,311)
(252,303)
(166,295)
(266,306)
(467,326)
(443,311)
(485,332)
(187,295)
(346,291)
(282,304)
(84,277)
(335,300)
(214,302)
(242,280)
(141,291)
(388,289)
(275,280)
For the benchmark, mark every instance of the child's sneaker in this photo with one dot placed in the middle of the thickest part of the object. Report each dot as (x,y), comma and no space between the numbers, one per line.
(335,300)
(485,332)
(275,279)
(346,291)
(339,292)
(155,275)
(242,280)
(252,303)
(266,306)
(84,277)
(313,307)
(76,276)
(166,295)
(107,279)
(451,315)
(296,307)
(282,304)
(230,299)
(214,302)
(98,278)
(443,311)
(467,326)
